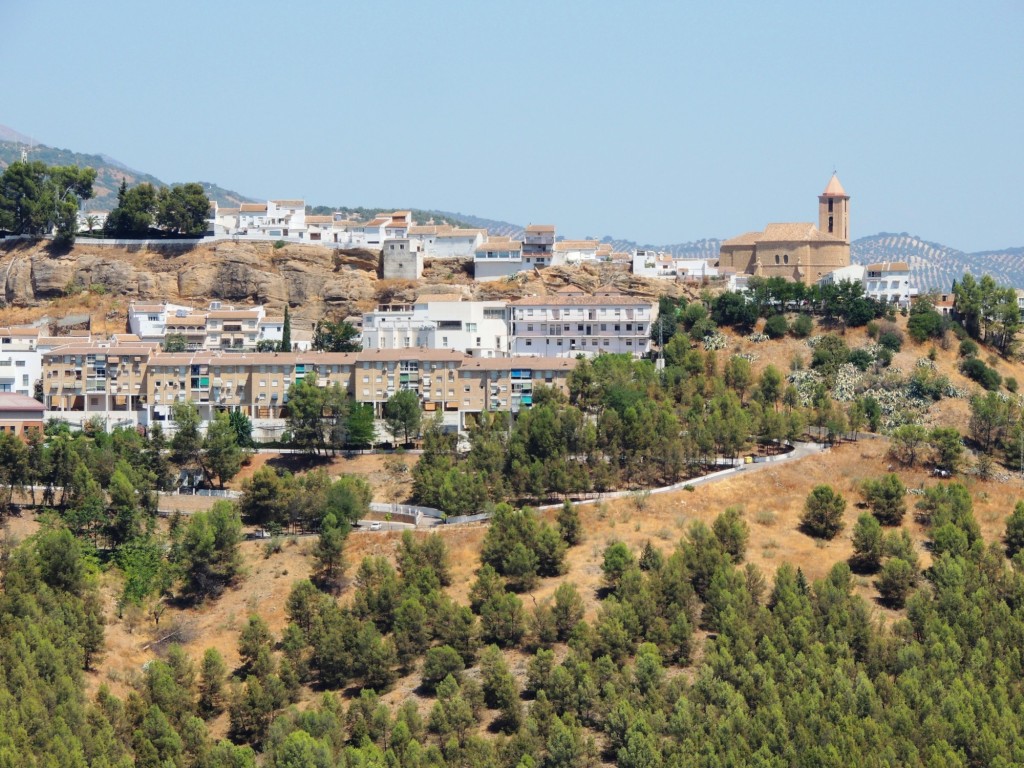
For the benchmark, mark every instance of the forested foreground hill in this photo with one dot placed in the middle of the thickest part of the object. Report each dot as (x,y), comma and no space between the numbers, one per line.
(692,658)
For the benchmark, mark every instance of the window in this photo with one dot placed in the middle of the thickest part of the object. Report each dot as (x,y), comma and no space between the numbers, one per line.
(785,258)
(776,258)
(829,223)
(153,318)
(444,340)
(830,201)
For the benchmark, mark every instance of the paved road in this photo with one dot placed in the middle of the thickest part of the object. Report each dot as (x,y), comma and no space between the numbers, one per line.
(800,451)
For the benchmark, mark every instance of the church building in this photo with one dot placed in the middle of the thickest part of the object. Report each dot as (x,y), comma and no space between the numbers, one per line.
(796,251)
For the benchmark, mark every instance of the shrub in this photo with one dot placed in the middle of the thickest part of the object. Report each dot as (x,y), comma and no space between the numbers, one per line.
(776,327)
(872,330)
(924,322)
(891,339)
(830,353)
(975,369)
(1011,384)
(278,244)
(861,358)
(802,327)
(968,348)
(823,513)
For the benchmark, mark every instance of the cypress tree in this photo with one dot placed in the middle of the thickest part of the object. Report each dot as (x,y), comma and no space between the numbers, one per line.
(286,332)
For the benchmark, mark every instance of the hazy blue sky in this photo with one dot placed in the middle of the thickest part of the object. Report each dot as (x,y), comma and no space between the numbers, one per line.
(660,122)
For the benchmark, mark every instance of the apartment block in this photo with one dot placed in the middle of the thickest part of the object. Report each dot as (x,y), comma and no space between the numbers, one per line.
(571,323)
(137,383)
(507,384)
(478,328)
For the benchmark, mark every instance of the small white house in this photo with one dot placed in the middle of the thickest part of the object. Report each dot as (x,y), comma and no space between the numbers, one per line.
(575,251)
(889,282)
(497,258)
(653,264)
(852,273)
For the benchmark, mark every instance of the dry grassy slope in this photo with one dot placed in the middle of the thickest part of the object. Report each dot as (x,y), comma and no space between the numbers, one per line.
(779,491)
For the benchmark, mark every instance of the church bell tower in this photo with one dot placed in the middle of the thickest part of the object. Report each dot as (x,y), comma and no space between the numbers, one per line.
(834,210)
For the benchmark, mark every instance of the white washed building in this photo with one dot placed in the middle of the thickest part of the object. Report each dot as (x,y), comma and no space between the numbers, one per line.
(148,320)
(21,363)
(478,328)
(572,322)
(497,258)
(889,281)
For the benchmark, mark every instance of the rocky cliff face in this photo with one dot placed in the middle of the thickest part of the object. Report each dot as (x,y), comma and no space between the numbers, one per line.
(312,280)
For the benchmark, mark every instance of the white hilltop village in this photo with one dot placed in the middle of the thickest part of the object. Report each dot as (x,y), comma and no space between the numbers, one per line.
(460,357)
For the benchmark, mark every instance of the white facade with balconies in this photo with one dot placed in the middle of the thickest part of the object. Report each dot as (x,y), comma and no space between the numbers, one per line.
(478,328)
(572,323)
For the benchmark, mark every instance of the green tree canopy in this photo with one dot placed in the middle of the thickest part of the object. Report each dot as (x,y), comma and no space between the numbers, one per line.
(36,199)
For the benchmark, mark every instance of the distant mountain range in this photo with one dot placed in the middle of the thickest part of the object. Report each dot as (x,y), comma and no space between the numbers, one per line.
(933,265)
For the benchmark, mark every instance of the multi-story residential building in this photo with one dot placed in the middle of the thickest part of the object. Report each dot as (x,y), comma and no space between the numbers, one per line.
(137,383)
(20,360)
(398,226)
(219,326)
(478,328)
(889,282)
(538,245)
(372,233)
(431,373)
(274,218)
(232,329)
(97,377)
(570,323)
(256,383)
(497,258)
(508,383)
